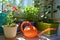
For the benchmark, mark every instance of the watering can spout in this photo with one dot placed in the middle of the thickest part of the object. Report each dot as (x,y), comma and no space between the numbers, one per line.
(48,29)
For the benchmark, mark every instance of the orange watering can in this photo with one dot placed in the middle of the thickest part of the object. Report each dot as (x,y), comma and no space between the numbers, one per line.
(31,32)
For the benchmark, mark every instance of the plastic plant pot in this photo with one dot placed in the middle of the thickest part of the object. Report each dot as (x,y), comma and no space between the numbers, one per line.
(41,26)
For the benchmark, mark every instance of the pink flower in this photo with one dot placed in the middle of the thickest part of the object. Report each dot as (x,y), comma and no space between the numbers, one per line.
(14,8)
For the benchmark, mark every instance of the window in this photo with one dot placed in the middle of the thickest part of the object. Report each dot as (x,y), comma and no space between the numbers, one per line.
(22,3)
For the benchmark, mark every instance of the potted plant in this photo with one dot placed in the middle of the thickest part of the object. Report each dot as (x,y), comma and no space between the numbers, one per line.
(10,28)
(45,20)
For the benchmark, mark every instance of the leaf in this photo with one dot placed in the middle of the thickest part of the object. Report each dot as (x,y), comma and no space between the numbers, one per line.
(0,2)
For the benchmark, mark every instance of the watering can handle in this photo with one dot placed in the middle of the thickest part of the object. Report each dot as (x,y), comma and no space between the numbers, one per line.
(48,29)
(25,22)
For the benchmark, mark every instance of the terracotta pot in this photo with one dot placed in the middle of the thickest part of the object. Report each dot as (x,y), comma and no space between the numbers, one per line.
(10,32)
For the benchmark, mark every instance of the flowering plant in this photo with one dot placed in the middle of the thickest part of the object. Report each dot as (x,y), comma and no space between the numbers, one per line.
(10,17)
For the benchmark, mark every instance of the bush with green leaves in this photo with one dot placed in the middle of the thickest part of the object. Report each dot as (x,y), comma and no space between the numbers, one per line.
(31,13)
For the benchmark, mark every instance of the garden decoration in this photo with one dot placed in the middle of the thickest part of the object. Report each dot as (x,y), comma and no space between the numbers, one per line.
(31,32)
(10,27)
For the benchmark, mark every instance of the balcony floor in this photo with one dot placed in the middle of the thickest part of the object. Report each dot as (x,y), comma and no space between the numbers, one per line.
(21,37)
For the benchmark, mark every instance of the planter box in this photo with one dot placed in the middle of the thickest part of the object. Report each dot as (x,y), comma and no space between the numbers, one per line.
(42,26)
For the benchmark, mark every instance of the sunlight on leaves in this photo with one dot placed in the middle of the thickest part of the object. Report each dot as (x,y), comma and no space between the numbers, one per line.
(6,0)
(0,0)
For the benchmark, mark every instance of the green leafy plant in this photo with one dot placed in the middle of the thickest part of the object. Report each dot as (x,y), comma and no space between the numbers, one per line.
(10,20)
(49,11)
(31,13)
(18,15)
(10,17)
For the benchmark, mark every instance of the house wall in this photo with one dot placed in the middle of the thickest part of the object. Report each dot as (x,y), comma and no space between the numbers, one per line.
(56,3)
(57,14)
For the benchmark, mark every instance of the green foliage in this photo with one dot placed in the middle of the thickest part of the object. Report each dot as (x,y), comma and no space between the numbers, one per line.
(18,15)
(37,3)
(6,0)
(10,20)
(48,10)
(31,13)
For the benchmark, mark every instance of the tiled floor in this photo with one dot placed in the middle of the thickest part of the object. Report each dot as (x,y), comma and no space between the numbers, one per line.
(1,37)
(21,37)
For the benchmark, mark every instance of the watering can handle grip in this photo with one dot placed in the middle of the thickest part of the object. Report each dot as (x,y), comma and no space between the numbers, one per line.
(48,29)
(25,22)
